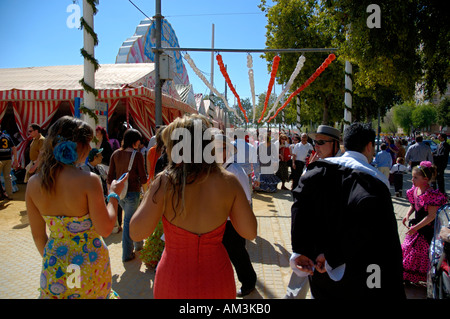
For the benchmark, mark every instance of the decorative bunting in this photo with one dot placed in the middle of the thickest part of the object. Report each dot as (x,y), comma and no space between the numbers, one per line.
(276,61)
(311,79)
(294,74)
(252,82)
(230,85)
(213,89)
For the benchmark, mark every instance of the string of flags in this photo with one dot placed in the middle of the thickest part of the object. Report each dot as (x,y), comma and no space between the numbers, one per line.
(276,60)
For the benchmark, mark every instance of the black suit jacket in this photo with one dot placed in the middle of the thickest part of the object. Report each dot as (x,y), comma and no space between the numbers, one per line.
(441,157)
(348,216)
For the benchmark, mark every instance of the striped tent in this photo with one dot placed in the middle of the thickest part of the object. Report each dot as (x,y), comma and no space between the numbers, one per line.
(36,93)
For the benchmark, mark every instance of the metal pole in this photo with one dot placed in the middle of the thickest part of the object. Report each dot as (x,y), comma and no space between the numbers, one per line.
(298,114)
(304,50)
(158,92)
(212,60)
(378,130)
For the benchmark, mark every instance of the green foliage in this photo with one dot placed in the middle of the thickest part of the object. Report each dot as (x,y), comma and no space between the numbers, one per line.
(403,115)
(153,247)
(423,115)
(411,46)
(306,24)
(443,112)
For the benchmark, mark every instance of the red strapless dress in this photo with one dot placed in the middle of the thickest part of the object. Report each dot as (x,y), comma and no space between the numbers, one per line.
(194,266)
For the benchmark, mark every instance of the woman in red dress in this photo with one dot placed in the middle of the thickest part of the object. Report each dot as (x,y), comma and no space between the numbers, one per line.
(194,196)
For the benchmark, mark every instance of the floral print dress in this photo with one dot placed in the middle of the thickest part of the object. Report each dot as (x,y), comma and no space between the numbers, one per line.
(76,261)
(415,247)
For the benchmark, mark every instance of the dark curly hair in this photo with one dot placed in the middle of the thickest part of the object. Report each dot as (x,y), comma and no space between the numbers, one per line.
(66,128)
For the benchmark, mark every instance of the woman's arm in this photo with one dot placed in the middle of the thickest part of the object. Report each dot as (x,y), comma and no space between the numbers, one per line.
(149,212)
(241,215)
(37,223)
(103,216)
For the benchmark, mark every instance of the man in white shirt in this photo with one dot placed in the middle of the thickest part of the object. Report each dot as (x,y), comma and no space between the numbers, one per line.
(300,152)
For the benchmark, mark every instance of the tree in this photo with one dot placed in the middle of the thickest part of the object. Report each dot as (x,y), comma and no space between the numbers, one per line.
(411,46)
(388,124)
(443,112)
(302,24)
(403,115)
(423,115)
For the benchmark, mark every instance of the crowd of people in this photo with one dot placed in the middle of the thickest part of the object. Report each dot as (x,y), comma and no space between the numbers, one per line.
(76,191)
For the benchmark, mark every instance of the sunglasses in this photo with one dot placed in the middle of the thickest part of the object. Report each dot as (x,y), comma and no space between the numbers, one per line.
(321,142)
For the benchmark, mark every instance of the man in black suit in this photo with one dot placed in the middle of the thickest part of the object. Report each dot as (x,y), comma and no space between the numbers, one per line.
(440,160)
(344,228)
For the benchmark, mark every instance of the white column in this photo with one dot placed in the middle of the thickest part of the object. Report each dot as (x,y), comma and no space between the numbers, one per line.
(348,94)
(298,113)
(89,70)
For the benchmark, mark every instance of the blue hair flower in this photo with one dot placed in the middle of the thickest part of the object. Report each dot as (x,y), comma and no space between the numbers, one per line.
(66,152)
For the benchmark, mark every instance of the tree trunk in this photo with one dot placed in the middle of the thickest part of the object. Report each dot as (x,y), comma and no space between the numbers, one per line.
(326,115)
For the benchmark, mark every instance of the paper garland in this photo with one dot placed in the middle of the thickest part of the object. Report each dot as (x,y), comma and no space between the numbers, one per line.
(230,85)
(213,89)
(294,74)
(311,79)
(252,82)
(276,61)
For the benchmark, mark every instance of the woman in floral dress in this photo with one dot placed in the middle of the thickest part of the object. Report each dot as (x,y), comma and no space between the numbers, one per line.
(70,202)
(425,202)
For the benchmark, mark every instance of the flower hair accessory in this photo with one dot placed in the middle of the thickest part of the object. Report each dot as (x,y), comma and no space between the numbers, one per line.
(426,164)
(66,152)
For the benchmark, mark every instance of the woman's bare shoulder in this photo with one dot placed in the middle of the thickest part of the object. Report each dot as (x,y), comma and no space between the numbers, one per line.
(226,177)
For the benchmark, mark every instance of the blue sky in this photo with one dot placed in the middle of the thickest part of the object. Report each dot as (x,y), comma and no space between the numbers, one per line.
(35,33)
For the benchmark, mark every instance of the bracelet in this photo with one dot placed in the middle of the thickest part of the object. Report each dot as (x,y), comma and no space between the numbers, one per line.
(112,194)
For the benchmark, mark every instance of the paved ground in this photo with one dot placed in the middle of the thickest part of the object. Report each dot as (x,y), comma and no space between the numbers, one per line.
(21,263)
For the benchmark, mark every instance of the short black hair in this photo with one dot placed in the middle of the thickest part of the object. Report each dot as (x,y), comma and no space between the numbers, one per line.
(130,137)
(35,127)
(357,136)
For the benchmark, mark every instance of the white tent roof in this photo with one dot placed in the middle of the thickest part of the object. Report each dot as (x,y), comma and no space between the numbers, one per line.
(108,76)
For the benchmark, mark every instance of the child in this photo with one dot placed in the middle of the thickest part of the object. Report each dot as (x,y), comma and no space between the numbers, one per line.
(425,202)
(397,171)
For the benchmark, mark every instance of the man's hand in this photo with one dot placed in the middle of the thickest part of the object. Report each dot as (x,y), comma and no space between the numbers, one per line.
(320,263)
(304,264)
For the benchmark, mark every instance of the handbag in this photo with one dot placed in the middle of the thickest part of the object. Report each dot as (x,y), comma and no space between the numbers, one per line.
(125,187)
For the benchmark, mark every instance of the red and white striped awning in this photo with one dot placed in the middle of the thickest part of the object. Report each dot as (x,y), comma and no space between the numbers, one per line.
(36,94)
(104,95)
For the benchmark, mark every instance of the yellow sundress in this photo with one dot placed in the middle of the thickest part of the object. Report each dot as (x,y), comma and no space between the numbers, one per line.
(76,261)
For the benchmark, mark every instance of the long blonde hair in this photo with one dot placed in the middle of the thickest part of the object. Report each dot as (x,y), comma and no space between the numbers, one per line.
(182,173)
(66,128)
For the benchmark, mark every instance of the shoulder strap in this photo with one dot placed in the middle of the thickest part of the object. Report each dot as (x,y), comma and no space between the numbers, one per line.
(131,160)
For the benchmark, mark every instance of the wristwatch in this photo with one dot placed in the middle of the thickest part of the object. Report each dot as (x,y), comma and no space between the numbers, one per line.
(112,194)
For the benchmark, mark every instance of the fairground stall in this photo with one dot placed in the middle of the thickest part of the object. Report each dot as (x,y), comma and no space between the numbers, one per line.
(42,94)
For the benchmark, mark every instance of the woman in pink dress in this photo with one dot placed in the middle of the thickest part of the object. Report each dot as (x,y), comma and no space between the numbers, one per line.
(194,196)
